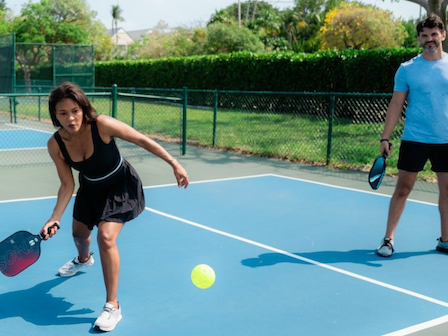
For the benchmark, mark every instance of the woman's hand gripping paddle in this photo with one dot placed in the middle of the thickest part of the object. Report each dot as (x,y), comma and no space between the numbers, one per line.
(19,251)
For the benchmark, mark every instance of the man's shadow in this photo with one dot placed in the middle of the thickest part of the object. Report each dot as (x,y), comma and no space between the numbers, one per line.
(364,257)
(36,305)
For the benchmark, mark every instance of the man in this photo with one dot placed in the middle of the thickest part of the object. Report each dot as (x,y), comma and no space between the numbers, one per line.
(423,81)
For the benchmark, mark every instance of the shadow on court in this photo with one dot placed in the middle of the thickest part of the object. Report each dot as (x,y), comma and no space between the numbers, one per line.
(37,306)
(364,257)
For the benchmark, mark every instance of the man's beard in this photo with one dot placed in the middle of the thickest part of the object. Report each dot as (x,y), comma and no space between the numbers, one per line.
(431,49)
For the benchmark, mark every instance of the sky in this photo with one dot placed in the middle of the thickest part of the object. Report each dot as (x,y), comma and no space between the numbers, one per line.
(145,14)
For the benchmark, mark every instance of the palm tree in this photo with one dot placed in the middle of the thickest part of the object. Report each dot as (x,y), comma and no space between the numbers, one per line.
(247,12)
(116,16)
(270,21)
(220,17)
(255,10)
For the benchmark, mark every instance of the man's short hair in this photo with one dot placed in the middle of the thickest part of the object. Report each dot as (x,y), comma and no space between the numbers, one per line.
(432,21)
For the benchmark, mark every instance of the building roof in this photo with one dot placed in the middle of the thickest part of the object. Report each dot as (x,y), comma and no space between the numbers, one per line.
(137,34)
(124,37)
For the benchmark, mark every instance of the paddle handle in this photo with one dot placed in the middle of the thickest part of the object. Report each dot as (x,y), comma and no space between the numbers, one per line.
(390,146)
(49,230)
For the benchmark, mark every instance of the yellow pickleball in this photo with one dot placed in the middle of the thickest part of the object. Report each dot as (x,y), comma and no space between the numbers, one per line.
(203,276)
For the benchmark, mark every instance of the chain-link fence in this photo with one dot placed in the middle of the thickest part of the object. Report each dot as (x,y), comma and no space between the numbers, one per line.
(335,129)
(339,130)
(46,64)
(25,123)
(27,67)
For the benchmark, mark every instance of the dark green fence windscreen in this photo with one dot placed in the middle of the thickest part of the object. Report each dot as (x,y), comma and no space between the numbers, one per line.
(74,63)
(7,63)
(38,67)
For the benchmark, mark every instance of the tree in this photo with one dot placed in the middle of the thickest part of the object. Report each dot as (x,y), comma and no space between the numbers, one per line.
(438,7)
(305,21)
(164,41)
(116,17)
(355,26)
(4,25)
(50,21)
(433,6)
(411,40)
(223,38)
(221,16)
(253,12)
(78,14)
(5,18)
(3,7)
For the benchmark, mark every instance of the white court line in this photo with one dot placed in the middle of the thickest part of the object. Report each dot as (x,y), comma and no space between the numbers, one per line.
(255,176)
(345,188)
(419,327)
(29,199)
(147,187)
(27,128)
(209,181)
(20,149)
(310,261)
(291,178)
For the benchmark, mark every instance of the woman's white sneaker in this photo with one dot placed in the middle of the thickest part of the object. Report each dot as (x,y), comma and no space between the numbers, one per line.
(108,318)
(73,266)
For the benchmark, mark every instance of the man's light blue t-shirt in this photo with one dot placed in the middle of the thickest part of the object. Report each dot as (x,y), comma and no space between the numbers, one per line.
(427,111)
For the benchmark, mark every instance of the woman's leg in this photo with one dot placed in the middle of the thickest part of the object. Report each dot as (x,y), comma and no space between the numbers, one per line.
(81,236)
(110,258)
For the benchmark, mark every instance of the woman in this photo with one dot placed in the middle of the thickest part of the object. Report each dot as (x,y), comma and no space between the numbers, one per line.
(110,191)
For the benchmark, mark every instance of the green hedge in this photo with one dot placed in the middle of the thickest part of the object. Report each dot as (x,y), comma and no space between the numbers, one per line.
(328,71)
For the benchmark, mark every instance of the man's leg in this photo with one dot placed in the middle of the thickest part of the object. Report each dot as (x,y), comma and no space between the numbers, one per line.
(403,188)
(442,179)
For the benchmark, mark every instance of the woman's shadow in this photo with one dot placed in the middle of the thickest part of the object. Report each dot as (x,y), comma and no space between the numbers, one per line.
(36,305)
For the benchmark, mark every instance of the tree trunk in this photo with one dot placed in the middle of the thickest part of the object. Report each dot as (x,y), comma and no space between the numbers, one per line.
(27,78)
(247,11)
(255,10)
(438,7)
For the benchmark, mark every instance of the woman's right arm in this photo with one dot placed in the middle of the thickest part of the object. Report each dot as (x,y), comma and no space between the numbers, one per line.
(65,190)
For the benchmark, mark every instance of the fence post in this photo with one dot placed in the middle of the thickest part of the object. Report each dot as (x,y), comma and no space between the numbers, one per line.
(15,103)
(215,115)
(39,104)
(114,100)
(330,126)
(11,102)
(133,107)
(184,120)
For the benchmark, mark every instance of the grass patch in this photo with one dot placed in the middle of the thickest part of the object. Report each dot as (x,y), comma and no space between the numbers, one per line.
(289,136)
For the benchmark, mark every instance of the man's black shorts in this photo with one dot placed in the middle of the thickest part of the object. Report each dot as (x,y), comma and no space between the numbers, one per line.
(413,156)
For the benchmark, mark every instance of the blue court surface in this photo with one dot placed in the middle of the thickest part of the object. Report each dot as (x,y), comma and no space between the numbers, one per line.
(292,257)
(23,139)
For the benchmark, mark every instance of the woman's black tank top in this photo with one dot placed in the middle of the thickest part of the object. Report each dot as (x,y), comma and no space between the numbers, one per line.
(104,160)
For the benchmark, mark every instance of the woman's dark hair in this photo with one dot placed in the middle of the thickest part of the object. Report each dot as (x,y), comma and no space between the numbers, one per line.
(72,91)
(432,21)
